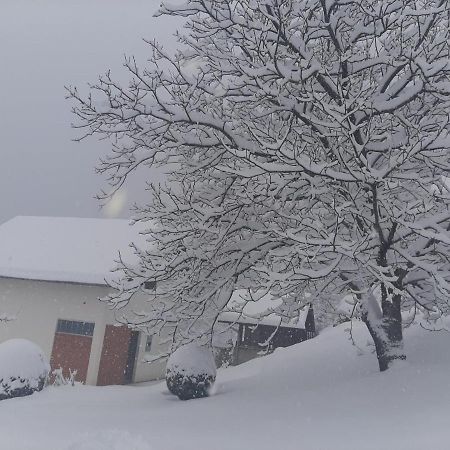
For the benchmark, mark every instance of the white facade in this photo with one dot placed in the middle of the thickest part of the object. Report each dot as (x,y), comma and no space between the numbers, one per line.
(55,268)
(37,306)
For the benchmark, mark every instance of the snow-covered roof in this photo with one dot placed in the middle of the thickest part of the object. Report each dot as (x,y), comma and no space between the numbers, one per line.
(64,248)
(260,312)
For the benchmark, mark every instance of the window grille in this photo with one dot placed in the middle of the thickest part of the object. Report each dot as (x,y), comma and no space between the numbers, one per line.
(75,327)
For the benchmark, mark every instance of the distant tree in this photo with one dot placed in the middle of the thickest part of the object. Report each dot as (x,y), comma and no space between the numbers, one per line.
(306,145)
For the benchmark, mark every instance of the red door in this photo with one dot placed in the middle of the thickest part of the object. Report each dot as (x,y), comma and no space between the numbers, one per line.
(71,352)
(118,356)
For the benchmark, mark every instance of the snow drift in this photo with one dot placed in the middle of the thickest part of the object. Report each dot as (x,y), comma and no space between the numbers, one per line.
(322,394)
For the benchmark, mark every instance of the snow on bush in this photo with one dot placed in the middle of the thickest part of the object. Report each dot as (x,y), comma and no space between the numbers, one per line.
(23,368)
(61,380)
(190,372)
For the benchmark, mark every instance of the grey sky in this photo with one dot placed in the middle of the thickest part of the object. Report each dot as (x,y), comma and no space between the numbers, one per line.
(44,45)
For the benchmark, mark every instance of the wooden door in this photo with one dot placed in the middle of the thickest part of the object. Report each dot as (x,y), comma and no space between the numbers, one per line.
(118,356)
(71,352)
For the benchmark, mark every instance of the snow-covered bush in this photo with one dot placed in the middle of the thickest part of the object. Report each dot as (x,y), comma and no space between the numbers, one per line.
(23,368)
(190,372)
(61,380)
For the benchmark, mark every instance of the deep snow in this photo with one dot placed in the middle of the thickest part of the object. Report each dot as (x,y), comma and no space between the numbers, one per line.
(323,394)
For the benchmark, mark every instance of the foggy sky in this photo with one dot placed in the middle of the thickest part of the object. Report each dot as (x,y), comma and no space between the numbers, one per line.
(44,46)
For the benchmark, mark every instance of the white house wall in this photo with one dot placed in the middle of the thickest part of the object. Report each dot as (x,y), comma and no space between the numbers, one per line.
(37,306)
(145,371)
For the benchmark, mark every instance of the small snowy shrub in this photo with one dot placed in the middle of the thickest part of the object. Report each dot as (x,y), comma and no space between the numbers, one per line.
(61,380)
(23,368)
(190,372)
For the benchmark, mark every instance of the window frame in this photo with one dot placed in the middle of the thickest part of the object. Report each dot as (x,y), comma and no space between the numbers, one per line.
(75,327)
(148,343)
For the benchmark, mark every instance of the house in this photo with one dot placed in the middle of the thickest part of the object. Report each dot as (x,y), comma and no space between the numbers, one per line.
(53,270)
(256,330)
(254,338)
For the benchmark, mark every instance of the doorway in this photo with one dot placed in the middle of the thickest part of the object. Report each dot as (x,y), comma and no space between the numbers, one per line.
(72,348)
(118,358)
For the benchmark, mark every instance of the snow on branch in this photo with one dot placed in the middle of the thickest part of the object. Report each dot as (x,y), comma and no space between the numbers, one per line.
(306,147)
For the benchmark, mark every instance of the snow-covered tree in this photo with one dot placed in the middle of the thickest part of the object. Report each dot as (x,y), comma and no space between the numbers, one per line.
(306,145)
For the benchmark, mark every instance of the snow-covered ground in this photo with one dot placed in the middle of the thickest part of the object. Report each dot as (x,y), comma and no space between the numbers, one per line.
(322,394)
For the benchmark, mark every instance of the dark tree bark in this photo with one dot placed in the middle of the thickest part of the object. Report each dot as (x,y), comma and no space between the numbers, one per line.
(387,332)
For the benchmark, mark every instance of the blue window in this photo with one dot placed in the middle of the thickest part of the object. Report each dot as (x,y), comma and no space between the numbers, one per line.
(75,327)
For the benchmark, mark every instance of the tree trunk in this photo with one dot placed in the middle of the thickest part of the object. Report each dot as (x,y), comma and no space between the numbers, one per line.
(387,334)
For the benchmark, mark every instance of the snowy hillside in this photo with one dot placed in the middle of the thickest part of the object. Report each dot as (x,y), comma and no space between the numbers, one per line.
(321,394)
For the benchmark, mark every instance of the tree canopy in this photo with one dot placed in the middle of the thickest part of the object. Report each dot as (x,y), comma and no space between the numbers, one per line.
(306,146)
